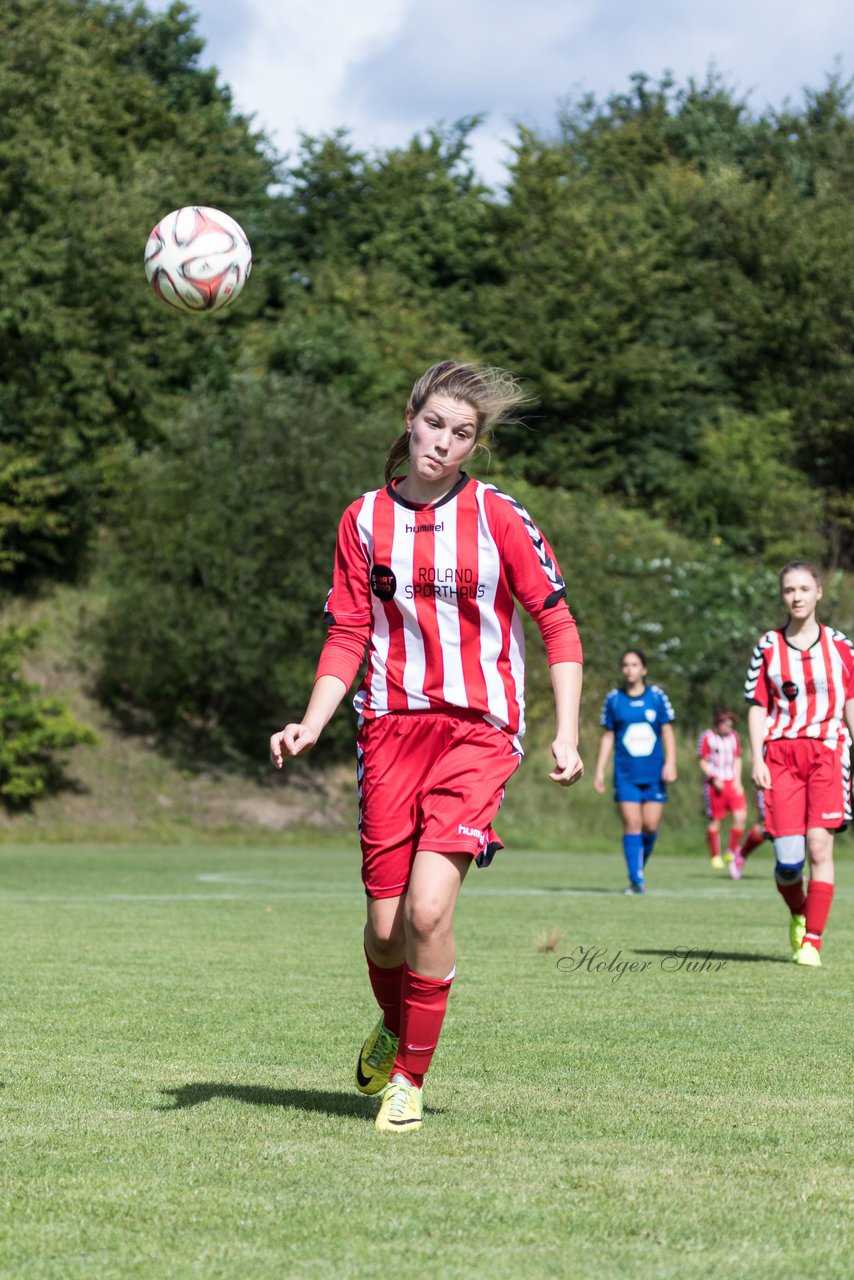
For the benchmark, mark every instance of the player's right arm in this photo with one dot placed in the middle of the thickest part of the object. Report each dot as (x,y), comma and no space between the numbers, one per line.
(756,693)
(756,720)
(605,747)
(348,614)
(294,739)
(707,768)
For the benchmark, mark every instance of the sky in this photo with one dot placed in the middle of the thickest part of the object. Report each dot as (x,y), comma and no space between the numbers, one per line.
(388,69)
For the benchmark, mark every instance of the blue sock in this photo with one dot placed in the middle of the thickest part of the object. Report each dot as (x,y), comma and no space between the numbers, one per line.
(633,853)
(649,839)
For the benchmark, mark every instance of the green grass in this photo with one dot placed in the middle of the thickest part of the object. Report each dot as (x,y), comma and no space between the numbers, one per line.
(180,1029)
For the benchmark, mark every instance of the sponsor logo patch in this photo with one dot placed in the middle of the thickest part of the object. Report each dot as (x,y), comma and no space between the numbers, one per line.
(790,689)
(383,582)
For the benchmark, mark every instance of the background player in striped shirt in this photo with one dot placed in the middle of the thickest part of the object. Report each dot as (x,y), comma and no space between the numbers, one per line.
(426,573)
(637,723)
(801,689)
(719,754)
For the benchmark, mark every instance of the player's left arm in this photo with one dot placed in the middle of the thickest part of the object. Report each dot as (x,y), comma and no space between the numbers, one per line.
(566,686)
(535,580)
(668,739)
(848,715)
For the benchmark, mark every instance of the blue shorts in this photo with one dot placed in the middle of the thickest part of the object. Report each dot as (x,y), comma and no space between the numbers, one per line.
(640,792)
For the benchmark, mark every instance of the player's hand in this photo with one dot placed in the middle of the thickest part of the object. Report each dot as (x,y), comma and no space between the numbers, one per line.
(668,773)
(293,740)
(599,784)
(762,776)
(718,785)
(568,765)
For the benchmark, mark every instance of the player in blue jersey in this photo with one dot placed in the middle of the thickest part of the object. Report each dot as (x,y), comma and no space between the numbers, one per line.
(637,724)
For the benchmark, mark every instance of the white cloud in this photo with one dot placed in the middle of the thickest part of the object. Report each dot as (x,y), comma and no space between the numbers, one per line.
(386,69)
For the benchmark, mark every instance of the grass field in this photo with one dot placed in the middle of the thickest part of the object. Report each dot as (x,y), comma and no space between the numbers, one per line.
(180,1029)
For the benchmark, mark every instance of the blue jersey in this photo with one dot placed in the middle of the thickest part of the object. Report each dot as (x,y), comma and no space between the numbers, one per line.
(636,724)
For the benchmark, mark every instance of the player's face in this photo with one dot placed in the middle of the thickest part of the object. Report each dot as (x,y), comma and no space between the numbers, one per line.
(442,435)
(633,669)
(801,593)
(725,725)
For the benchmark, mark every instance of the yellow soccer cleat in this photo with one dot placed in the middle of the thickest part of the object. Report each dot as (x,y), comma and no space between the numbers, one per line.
(797,929)
(402,1107)
(376,1059)
(808,954)
(728,857)
(717,862)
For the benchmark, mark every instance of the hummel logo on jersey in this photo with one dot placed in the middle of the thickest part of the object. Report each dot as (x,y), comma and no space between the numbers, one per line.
(426,528)
(469,831)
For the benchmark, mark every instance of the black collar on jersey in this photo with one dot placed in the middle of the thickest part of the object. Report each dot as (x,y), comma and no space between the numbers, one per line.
(797,648)
(426,506)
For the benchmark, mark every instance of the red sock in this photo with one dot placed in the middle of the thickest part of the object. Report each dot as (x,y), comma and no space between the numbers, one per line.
(752,841)
(386,985)
(793,895)
(714,839)
(734,839)
(819,898)
(424,1003)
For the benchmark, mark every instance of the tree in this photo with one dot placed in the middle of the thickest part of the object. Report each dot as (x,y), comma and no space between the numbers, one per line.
(220,559)
(108,123)
(36,731)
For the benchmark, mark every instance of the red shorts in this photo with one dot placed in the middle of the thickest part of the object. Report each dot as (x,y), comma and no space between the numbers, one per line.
(807,787)
(427,780)
(730,799)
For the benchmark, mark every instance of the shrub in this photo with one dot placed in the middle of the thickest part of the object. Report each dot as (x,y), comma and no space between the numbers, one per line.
(35,730)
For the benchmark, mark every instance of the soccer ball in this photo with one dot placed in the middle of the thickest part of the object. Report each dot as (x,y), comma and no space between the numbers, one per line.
(197,259)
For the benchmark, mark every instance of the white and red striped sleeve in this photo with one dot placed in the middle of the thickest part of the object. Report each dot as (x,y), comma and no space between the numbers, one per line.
(534,576)
(758,689)
(704,746)
(846,652)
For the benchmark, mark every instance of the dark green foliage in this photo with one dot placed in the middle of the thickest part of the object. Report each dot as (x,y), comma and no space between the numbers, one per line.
(692,607)
(668,258)
(670,273)
(35,731)
(108,123)
(220,559)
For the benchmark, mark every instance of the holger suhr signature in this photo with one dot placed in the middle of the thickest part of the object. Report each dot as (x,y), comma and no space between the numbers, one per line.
(678,960)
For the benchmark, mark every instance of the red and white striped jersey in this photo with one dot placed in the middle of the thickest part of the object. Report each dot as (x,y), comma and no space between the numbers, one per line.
(430,592)
(804,691)
(721,750)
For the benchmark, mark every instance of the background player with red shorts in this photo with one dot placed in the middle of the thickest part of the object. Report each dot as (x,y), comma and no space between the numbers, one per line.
(426,573)
(719,753)
(801,689)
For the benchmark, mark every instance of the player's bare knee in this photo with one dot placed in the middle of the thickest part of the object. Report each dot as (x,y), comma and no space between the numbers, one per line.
(384,938)
(426,920)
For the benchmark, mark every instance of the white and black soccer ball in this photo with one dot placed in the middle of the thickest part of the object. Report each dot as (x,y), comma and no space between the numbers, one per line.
(197,259)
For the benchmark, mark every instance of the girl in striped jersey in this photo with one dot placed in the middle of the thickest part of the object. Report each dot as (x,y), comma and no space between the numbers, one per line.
(801,689)
(426,573)
(719,753)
